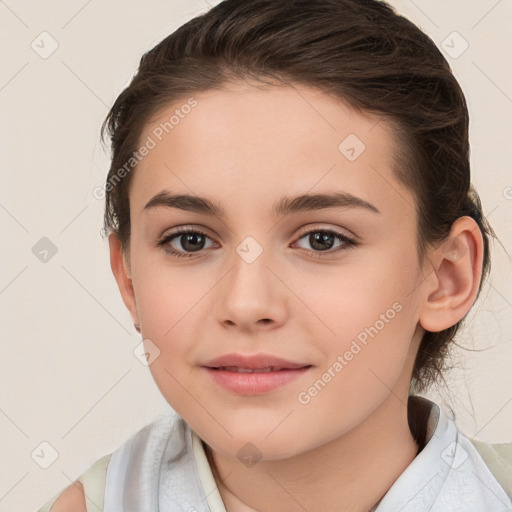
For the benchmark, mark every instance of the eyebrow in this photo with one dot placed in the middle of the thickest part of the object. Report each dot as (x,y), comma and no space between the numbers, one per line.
(284,206)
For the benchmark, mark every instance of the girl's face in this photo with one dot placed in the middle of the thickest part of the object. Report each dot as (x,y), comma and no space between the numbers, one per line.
(331,284)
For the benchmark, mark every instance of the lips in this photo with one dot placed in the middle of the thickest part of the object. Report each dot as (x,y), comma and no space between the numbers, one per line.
(252,363)
(249,370)
(254,374)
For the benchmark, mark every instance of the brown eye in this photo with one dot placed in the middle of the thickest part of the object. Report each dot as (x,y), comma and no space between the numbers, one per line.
(191,241)
(323,240)
(184,242)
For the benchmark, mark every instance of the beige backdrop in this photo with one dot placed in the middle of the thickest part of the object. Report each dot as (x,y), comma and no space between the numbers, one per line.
(70,379)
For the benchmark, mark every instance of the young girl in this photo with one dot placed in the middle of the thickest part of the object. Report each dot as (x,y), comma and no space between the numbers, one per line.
(293,230)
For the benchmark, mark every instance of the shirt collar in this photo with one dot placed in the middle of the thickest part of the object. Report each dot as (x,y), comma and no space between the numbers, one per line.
(433,428)
(447,473)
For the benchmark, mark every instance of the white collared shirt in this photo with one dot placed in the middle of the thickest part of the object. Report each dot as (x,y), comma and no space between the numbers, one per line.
(164,468)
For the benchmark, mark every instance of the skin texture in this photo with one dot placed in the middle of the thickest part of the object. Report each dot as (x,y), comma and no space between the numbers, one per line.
(72,499)
(244,148)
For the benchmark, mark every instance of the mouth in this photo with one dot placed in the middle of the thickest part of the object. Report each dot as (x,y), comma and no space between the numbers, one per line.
(255,374)
(268,369)
(252,362)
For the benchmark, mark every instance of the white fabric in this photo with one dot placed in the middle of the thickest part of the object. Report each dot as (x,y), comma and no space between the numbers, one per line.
(448,475)
(163,468)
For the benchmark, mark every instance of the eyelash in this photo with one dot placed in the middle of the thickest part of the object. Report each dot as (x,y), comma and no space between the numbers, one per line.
(348,242)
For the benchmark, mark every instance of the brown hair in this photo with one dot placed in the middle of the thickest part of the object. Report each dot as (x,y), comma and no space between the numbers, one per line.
(362,53)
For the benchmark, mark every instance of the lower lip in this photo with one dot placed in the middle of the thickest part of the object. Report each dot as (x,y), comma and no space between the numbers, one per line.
(255,383)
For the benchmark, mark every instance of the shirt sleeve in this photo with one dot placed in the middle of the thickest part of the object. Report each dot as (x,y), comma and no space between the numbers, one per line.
(498,458)
(93,481)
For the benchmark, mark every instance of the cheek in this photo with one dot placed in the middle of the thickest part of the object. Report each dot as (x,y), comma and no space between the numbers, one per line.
(361,292)
(169,307)
(365,315)
(167,297)
(363,363)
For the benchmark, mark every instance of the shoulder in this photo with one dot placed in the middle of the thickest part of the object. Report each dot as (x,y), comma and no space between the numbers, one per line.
(498,459)
(72,499)
(86,493)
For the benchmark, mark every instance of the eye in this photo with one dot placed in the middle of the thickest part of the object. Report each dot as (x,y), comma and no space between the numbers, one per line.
(183,242)
(322,240)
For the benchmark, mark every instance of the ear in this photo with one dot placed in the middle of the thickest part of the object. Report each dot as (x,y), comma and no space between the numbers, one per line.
(122,273)
(452,285)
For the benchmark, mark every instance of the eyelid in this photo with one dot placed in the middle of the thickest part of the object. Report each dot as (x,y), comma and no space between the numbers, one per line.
(171,233)
(322,227)
(348,241)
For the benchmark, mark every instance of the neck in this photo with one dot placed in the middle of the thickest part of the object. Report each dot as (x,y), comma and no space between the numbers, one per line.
(353,471)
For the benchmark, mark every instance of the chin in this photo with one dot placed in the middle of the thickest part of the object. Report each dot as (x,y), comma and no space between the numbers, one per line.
(250,452)
(251,446)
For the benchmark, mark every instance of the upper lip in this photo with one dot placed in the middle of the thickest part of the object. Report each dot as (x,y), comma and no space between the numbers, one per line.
(252,361)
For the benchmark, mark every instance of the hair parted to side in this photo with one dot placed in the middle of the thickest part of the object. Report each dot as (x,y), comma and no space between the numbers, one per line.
(359,51)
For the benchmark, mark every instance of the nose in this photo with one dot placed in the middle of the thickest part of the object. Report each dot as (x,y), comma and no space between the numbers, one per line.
(251,296)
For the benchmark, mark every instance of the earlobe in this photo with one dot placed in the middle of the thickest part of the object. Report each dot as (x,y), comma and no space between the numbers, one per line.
(121,271)
(453,286)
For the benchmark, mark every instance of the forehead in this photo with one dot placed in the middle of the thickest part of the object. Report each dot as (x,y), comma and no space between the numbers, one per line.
(263,141)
